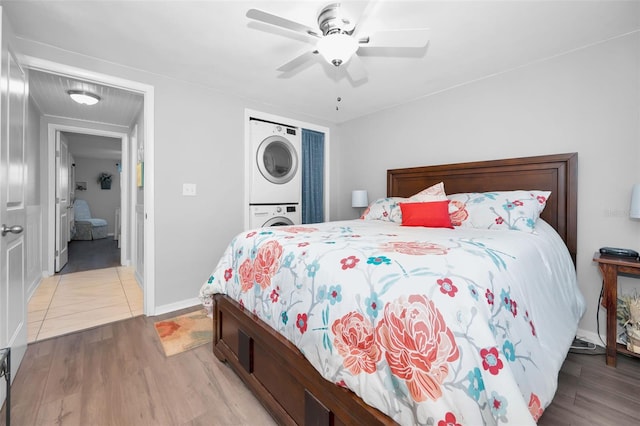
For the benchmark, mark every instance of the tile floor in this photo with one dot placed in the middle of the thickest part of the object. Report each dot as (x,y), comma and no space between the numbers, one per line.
(70,302)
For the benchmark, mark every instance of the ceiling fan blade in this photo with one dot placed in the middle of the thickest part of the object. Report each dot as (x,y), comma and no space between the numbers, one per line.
(370,9)
(355,69)
(279,21)
(298,61)
(414,38)
(371,6)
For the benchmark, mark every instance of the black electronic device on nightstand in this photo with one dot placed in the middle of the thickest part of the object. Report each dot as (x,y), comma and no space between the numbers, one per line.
(619,252)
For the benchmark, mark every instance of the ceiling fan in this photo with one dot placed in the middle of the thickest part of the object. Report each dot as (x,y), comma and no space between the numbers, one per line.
(338,38)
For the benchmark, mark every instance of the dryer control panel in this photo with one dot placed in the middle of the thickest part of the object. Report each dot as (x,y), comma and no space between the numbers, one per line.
(263,215)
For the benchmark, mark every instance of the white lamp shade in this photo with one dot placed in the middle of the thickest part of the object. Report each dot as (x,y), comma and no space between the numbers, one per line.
(359,198)
(634,211)
(337,48)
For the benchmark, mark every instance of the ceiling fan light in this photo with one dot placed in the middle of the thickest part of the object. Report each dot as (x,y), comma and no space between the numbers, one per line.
(337,48)
(83,97)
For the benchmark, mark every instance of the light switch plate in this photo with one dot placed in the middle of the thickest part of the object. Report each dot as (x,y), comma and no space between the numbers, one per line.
(189,189)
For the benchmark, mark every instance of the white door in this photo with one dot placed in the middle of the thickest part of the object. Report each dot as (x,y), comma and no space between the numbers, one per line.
(62,202)
(13,302)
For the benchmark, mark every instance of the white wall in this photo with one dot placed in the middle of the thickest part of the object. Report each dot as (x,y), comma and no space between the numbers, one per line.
(587,101)
(102,202)
(34,208)
(32,136)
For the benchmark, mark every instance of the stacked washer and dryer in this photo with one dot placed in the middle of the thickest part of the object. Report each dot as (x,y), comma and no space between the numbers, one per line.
(276,184)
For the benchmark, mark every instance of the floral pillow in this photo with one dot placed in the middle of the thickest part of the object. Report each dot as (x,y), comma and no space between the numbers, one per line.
(388,209)
(433,193)
(518,210)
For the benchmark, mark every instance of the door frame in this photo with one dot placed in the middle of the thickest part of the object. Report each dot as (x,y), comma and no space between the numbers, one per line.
(52,129)
(147,91)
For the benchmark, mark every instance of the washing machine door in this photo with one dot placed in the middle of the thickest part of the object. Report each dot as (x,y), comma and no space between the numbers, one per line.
(278,221)
(277,160)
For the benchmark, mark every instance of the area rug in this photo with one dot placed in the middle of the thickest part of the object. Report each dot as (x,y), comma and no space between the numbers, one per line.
(185,332)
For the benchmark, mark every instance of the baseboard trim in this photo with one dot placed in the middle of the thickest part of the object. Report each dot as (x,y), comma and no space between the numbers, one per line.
(33,286)
(188,303)
(591,337)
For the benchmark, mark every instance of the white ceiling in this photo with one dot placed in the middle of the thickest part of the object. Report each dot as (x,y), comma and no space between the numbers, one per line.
(93,146)
(116,106)
(214,44)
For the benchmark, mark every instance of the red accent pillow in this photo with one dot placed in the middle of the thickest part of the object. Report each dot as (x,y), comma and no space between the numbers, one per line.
(432,214)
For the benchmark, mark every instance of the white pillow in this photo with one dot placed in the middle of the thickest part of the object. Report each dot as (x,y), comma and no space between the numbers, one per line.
(387,209)
(518,210)
(433,193)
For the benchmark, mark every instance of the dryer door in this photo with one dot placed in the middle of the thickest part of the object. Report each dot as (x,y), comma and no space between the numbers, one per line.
(278,221)
(277,160)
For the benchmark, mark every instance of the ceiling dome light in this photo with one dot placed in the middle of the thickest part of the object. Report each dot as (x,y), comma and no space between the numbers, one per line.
(84,98)
(337,47)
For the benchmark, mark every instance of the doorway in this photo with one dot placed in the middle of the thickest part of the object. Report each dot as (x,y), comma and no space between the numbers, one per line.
(65,303)
(102,209)
(88,144)
(96,205)
(136,220)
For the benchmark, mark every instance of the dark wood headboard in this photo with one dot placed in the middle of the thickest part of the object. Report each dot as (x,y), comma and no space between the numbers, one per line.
(556,173)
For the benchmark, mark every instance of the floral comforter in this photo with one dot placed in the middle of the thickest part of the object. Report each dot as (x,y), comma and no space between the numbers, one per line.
(430,326)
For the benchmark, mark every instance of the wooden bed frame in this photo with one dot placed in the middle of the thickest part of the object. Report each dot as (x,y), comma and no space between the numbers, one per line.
(275,370)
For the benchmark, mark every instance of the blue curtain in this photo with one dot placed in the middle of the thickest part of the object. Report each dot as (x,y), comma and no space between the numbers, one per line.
(312,176)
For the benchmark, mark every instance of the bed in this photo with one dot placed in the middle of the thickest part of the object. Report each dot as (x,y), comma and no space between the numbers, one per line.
(411,325)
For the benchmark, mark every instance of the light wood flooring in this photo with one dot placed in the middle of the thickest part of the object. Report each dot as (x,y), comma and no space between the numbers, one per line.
(76,301)
(591,393)
(117,374)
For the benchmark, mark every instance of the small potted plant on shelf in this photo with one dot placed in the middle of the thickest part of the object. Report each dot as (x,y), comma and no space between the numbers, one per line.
(104,180)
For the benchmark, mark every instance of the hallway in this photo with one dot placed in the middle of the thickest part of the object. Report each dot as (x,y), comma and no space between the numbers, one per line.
(76,301)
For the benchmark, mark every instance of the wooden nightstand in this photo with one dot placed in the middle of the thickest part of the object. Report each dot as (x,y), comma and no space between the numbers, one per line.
(611,267)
